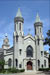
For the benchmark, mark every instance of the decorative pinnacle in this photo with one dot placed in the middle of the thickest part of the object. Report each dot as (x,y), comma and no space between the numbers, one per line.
(19,13)
(37,18)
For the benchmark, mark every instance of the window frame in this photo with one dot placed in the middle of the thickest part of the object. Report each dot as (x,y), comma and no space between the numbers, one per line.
(29,52)
(20,65)
(20,26)
(45,63)
(38,63)
(9,62)
(16,62)
(20,51)
(41,53)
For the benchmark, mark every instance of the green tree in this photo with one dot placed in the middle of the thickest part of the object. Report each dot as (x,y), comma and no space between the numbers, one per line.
(2,63)
(47,39)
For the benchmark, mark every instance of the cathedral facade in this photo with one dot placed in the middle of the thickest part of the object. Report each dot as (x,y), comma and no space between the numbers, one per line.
(27,51)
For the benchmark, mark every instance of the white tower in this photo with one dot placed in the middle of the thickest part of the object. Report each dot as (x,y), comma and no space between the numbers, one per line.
(38,26)
(18,37)
(19,23)
(39,42)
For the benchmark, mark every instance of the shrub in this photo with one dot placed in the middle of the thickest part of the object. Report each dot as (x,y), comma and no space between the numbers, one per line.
(2,63)
(44,69)
(11,70)
(2,71)
(22,70)
(14,70)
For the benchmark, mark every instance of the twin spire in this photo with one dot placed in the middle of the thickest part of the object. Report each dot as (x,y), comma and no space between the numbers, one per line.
(20,15)
(37,18)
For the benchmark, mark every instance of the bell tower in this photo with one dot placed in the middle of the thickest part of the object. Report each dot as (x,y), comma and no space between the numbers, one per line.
(18,37)
(38,26)
(19,23)
(39,39)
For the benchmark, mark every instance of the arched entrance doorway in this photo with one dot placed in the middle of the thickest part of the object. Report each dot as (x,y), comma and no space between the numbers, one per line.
(29,65)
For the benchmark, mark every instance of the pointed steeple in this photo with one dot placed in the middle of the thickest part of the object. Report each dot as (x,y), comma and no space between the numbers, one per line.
(37,18)
(19,13)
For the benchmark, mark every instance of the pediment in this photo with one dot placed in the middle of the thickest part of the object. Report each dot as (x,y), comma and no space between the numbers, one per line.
(29,36)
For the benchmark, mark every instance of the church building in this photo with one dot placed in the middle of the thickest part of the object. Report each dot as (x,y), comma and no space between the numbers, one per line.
(27,52)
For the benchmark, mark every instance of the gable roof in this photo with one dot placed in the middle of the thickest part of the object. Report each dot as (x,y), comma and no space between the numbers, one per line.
(29,36)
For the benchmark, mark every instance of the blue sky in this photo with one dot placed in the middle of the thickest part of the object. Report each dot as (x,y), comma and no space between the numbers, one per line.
(29,9)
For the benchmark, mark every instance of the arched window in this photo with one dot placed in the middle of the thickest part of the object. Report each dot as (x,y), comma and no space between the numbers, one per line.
(29,52)
(20,51)
(40,29)
(45,63)
(42,65)
(19,26)
(16,62)
(35,31)
(20,65)
(38,63)
(9,62)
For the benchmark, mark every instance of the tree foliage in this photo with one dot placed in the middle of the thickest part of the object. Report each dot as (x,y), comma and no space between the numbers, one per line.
(2,63)
(47,39)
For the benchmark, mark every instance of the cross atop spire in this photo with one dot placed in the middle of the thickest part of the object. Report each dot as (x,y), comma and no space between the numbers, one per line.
(19,13)
(37,18)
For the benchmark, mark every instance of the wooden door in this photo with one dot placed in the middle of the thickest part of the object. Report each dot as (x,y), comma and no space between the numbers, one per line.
(29,65)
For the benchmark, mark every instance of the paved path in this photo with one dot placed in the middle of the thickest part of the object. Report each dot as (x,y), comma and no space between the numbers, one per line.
(30,73)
